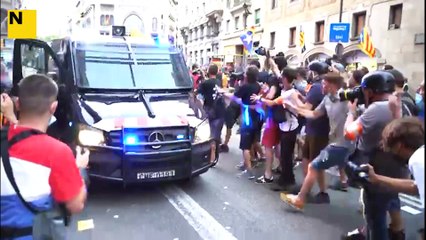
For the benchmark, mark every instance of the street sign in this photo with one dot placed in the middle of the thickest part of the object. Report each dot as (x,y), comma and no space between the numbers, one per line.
(339,32)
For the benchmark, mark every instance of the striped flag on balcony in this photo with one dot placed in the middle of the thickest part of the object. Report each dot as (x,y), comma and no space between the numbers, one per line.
(366,44)
(247,39)
(302,40)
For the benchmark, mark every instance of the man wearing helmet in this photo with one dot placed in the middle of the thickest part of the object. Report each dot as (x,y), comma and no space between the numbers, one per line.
(377,87)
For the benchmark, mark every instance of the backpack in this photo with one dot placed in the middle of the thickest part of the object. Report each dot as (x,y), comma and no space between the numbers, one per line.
(279,113)
(47,224)
(409,107)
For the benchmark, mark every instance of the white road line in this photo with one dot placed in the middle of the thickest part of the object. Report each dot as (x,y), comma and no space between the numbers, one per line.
(410,210)
(203,223)
(415,200)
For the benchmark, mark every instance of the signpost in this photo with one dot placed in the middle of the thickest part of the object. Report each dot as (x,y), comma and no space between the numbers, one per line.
(339,32)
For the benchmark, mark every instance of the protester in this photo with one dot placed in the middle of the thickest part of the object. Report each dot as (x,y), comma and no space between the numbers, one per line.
(39,174)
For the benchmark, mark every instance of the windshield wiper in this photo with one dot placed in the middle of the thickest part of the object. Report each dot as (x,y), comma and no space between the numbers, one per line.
(110,98)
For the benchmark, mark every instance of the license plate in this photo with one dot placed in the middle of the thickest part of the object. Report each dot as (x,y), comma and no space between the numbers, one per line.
(151,175)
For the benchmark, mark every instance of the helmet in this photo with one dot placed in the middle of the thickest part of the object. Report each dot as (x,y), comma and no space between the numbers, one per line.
(379,82)
(319,67)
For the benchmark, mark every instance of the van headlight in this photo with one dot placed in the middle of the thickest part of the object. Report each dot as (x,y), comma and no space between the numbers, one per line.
(202,132)
(89,136)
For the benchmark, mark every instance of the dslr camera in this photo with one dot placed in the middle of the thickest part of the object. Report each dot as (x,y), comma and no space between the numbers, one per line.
(261,51)
(357,174)
(352,94)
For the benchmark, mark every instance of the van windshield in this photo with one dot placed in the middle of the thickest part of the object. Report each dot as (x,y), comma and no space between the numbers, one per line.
(113,66)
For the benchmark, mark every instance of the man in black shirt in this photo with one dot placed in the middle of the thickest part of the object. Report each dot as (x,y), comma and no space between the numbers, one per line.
(251,118)
(214,106)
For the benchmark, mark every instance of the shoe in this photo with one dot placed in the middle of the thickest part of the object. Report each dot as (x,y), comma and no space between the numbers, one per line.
(400,235)
(292,201)
(223,148)
(356,234)
(263,179)
(240,167)
(276,171)
(322,198)
(340,186)
(248,174)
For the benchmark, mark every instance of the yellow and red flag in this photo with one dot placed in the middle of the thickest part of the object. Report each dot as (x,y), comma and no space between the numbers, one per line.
(366,44)
(302,40)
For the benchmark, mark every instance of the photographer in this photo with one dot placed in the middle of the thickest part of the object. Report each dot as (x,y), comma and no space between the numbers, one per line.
(404,137)
(377,87)
(336,153)
(37,174)
(214,106)
(409,107)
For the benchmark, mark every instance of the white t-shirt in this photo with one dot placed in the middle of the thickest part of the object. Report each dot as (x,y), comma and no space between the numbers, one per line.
(416,164)
(292,122)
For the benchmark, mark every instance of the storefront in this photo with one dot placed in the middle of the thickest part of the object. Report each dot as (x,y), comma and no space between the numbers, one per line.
(356,59)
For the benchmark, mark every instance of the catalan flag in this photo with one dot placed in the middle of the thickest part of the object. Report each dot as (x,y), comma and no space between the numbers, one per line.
(366,44)
(302,40)
(247,39)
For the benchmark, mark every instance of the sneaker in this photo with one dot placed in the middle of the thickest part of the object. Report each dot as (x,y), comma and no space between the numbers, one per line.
(248,174)
(292,201)
(240,167)
(322,198)
(263,179)
(356,234)
(340,186)
(223,148)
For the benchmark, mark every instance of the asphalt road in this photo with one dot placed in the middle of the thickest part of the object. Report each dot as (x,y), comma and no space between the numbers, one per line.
(218,205)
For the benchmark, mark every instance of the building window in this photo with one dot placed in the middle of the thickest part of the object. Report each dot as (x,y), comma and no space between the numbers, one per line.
(395,16)
(228,22)
(274,4)
(107,20)
(237,23)
(292,39)
(272,40)
(154,24)
(319,31)
(257,16)
(358,24)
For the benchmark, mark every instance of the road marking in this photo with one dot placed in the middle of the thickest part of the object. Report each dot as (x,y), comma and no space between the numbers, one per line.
(203,223)
(412,200)
(84,225)
(410,210)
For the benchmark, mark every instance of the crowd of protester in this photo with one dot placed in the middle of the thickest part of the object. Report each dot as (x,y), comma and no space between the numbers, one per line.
(366,124)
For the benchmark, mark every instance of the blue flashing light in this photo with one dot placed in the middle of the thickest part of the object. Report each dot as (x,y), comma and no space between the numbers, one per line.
(130,139)
(180,137)
(154,35)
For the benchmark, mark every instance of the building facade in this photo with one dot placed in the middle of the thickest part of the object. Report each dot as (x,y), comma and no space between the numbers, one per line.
(211,29)
(144,17)
(395,26)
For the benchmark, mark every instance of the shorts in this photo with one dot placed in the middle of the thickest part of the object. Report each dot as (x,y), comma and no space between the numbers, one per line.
(248,138)
(216,126)
(331,156)
(271,134)
(313,146)
(231,116)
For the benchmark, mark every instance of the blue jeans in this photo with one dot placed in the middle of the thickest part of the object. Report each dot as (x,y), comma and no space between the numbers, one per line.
(376,207)
(331,156)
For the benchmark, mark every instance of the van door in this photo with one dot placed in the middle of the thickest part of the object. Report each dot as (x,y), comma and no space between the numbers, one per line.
(36,57)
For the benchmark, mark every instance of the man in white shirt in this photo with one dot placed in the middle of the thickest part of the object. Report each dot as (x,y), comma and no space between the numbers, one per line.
(404,137)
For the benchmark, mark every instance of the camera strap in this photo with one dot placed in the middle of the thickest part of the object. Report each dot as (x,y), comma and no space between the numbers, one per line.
(5,146)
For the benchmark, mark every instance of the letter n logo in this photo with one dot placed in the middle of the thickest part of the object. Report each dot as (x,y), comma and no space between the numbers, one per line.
(21,24)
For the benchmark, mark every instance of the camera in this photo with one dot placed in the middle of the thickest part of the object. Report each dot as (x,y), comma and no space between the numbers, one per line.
(261,51)
(352,94)
(357,174)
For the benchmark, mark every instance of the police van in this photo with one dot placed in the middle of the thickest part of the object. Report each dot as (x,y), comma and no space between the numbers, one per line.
(126,99)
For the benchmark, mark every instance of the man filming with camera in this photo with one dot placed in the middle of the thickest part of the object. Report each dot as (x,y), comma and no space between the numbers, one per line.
(376,88)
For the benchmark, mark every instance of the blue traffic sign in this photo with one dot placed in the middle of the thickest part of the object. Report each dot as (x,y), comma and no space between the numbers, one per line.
(339,32)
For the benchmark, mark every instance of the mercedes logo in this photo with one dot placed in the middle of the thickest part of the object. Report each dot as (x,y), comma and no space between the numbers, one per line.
(156,137)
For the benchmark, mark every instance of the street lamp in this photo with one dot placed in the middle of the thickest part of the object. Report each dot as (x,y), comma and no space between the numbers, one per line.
(245,15)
